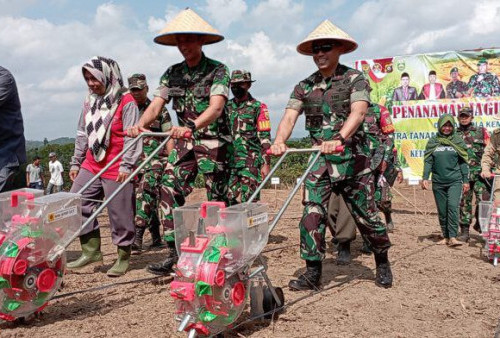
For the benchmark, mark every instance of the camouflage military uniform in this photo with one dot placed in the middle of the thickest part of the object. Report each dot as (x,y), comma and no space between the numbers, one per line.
(484,85)
(148,187)
(453,88)
(326,104)
(476,139)
(190,90)
(251,132)
(385,180)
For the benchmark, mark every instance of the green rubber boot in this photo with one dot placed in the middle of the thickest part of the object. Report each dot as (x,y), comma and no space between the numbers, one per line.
(121,265)
(91,251)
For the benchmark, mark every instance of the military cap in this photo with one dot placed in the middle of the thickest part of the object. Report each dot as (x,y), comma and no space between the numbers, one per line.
(482,61)
(241,75)
(327,31)
(187,22)
(137,81)
(454,69)
(465,111)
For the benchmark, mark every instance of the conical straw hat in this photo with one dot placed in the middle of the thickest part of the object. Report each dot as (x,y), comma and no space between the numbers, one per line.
(325,31)
(187,22)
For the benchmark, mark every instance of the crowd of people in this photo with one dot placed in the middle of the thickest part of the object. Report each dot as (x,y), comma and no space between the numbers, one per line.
(228,142)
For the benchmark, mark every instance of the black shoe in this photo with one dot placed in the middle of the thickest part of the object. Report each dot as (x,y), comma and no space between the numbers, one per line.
(166,267)
(477,227)
(383,276)
(366,249)
(344,253)
(464,234)
(155,235)
(309,280)
(139,234)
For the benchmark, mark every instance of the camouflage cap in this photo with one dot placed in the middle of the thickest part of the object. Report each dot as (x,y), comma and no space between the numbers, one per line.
(482,61)
(454,69)
(465,111)
(137,81)
(241,75)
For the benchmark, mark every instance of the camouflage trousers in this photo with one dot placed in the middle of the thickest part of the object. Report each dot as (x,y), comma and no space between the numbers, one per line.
(147,197)
(482,190)
(243,182)
(178,183)
(383,195)
(358,193)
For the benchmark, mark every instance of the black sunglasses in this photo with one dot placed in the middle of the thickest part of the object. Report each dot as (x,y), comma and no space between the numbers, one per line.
(322,48)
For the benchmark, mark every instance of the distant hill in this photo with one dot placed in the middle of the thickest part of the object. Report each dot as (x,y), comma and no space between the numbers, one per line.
(38,144)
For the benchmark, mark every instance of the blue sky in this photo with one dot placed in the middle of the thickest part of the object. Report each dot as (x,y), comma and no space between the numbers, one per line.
(44,43)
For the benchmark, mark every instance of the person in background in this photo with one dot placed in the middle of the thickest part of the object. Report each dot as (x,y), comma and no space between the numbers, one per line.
(12,142)
(456,89)
(34,176)
(446,159)
(108,110)
(405,92)
(56,169)
(432,90)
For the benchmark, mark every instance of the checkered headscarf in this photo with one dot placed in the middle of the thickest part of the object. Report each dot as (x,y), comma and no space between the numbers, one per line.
(99,110)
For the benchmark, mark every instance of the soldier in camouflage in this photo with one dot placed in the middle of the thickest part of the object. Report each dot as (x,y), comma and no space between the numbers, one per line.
(198,88)
(483,84)
(335,100)
(456,89)
(476,138)
(251,133)
(149,183)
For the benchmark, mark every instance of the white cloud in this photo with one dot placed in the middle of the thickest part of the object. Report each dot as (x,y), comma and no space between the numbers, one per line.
(486,18)
(225,12)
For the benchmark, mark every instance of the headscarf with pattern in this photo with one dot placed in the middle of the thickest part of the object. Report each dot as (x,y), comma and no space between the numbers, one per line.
(99,110)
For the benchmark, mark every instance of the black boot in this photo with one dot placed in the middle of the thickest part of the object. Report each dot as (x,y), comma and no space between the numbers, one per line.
(388,221)
(464,233)
(344,253)
(166,267)
(366,248)
(309,280)
(155,235)
(384,274)
(139,234)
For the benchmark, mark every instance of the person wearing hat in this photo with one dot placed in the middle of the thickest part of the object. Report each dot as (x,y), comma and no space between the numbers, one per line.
(432,90)
(198,88)
(56,169)
(251,132)
(456,89)
(334,100)
(483,84)
(148,187)
(476,138)
(405,92)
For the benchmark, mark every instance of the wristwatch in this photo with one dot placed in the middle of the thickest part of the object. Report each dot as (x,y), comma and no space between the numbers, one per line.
(191,125)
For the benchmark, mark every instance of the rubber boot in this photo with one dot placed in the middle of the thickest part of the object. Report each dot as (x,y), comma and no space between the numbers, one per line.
(91,251)
(344,253)
(155,235)
(383,276)
(166,267)
(310,279)
(139,234)
(388,221)
(464,234)
(121,264)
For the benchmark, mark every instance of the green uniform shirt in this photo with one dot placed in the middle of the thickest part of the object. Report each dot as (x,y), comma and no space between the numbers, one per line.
(446,166)
(161,124)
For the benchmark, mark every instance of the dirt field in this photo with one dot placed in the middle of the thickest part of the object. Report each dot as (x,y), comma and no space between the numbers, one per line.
(437,292)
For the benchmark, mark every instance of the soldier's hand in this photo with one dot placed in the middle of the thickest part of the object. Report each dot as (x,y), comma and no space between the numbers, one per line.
(73,174)
(329,147)
(278,149)
(136,130)
(264,171)
(425,184)
(400,177)
(179,132)
(122,177)
(486,174)
(465,188)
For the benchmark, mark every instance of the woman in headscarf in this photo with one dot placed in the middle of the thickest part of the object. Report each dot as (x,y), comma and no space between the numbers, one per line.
(446,158)
(108,110)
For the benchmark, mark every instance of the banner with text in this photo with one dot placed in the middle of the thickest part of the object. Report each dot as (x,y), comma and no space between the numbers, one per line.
(417,89)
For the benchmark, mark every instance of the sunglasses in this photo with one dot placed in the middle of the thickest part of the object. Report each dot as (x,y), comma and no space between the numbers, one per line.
(322,48)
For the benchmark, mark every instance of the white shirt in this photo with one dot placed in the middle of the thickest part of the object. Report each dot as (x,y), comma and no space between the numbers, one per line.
(56,170)
(432,92)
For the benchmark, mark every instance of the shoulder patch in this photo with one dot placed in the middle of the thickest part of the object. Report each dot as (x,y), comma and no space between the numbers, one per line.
(263,122)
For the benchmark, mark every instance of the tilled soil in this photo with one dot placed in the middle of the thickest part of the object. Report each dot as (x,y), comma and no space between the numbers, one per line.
(438,291)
